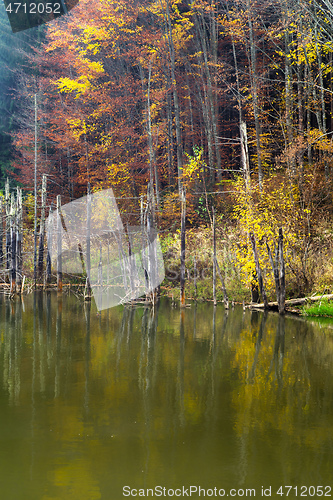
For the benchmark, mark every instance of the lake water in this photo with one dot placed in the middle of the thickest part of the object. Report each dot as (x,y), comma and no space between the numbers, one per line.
(130,401)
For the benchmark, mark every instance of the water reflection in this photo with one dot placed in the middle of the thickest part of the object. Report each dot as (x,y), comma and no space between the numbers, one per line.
(258,344)
(92,402)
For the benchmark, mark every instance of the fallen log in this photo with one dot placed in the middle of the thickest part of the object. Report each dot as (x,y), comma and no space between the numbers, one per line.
(292,302)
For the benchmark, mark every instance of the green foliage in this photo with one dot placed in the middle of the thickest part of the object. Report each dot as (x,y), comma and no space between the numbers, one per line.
(201,209)
(322,308)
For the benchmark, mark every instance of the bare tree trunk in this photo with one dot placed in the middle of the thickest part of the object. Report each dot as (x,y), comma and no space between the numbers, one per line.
(245,155)
(258,270)
(175,94)
(182,248)
(59,245)
(209,133)
(7,210)
(19,236)
(322,95)
(225,296)
(170,142)
(308,114)
(190,113)
(214,258)
(70,176)
(288,91)
(245,162)
(210,96)
(254,87)
(195,278)
(152,162)
(321,82)
(35,194)
(312,86)
(49,247)
(42,230)
(282,302)
(214,52)
(300,91)
(1,232)
(87,294)
(216,267)
(279,272)
(152,158)
(13,244)
(331,92)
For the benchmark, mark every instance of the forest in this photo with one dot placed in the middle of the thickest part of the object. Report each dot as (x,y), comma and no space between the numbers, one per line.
(230,101)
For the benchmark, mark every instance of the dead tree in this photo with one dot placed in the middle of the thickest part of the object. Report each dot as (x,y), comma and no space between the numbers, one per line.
(258,270)
(19,238)
(13,244)
(216,267)
(1,233)
(87,293)
(7,209)
(182,249)
(42,230)
(59,246)
(214,258)
(279,272)
(49,249)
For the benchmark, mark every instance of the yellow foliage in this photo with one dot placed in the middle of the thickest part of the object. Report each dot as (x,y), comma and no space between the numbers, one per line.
(29,205)
(171,206)
(260,367)
(81,85)
(119,174)
(193,168)
(78,127)
(278,205)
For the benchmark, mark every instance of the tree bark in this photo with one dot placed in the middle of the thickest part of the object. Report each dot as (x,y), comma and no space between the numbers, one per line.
(210,97)
(279,272)
(1,233)
(214,258)
(13,245)
(42,230)
(224,290)
(258,270)
(88,230)
(7,210)
(19,237)
(175,95)
(254,87)
(293,302)
(59,246)
(182,249)
(35,194)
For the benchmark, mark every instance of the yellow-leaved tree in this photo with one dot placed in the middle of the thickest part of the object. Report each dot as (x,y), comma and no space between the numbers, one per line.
(279,205)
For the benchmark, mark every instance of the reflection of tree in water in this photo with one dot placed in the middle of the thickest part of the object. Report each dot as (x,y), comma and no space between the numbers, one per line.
(265,373)
(11,347)
(277,393)
(164,383)
(278,352)
(258,345)
(213,382)
(87,314)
